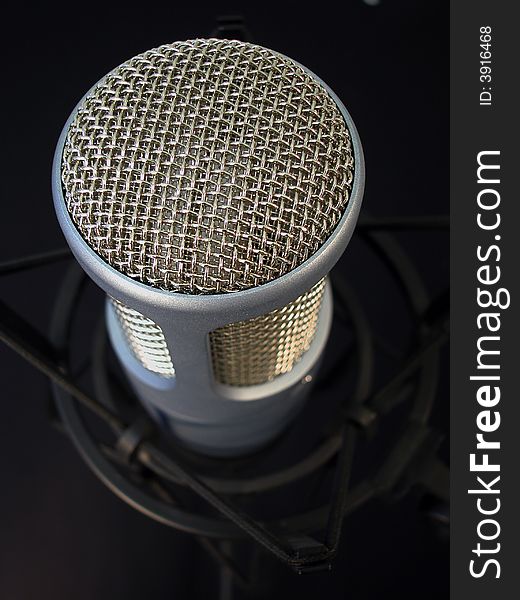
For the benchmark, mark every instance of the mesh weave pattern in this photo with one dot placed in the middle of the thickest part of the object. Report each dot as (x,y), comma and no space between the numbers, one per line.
(146,339)
(207,166)
(258,350)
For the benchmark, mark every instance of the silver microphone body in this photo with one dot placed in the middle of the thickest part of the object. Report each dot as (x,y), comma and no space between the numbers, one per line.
(215,269)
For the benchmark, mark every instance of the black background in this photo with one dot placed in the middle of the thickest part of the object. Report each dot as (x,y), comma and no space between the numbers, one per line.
(62,534)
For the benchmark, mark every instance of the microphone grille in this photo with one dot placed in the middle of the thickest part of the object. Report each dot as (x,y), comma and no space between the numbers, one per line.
(260,349)
(145,338)
(207,166)
(245,353)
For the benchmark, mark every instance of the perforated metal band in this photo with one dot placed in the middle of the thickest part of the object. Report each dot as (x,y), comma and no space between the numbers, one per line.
(245,353)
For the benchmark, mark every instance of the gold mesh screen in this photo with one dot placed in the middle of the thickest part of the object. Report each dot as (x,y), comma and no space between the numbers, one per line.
(146,339)
(258,350)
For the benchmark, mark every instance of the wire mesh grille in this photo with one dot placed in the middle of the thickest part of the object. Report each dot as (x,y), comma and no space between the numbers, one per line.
(258,350)
(207,166)
(146,340)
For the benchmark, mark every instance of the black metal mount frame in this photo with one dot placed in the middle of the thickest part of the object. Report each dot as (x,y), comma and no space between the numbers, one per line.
(138,468)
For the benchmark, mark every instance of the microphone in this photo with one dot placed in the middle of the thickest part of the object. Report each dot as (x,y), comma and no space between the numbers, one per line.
(208,187)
